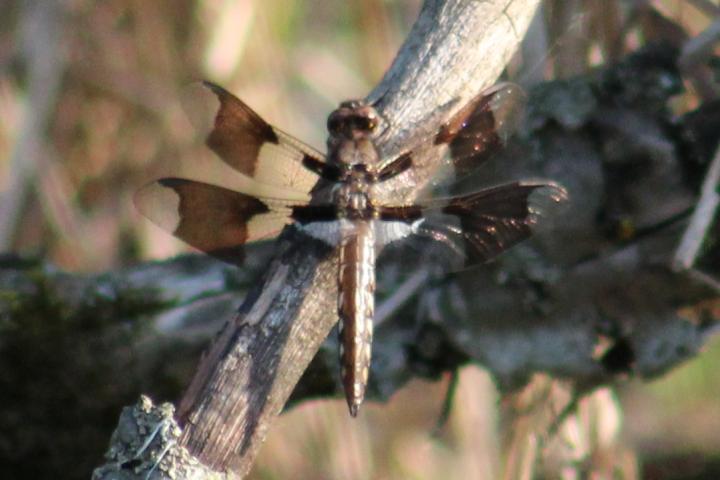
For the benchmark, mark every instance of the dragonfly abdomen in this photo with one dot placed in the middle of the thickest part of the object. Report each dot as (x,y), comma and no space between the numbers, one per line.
(356,306)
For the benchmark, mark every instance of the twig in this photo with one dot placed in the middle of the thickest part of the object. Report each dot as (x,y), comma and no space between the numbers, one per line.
(695,52)
(702,218)
(709,8)
(401,295)
(39,41)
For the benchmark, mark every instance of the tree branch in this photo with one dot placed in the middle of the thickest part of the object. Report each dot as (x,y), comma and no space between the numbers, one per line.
(247,376)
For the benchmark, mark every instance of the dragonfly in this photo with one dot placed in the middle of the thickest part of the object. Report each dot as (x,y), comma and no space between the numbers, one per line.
(347,199)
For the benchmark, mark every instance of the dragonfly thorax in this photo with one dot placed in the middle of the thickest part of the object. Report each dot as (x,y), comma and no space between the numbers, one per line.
(352,196)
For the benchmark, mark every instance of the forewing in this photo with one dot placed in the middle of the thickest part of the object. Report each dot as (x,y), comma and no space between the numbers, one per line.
(475,228)
(473,135)
(213,219)
(482,127)
(247,143)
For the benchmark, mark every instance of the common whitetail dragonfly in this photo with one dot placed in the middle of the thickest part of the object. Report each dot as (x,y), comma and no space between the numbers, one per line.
(345,199)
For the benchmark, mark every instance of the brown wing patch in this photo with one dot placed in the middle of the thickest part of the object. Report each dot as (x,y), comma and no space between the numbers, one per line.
(477,227)
(238,133)
(494,219)
(250,145)
(400,213)
(213,219)
(482,127)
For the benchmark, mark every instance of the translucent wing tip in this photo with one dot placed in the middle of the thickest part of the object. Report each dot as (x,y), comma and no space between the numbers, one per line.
(547,200)
(508,106)
(553,191)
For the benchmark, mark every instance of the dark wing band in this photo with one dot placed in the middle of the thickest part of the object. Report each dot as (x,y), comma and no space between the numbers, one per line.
(217,220)
(481,225)
(247,143)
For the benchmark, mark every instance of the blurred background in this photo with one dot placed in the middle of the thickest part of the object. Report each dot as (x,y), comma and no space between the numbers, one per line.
(90,110)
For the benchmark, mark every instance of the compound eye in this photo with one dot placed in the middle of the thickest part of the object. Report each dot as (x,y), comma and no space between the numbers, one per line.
(360,123)
(365,124)
(333,124)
